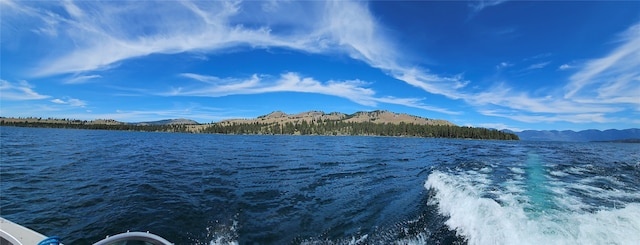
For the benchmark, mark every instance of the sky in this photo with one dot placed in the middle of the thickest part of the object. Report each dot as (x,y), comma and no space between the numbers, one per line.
(518,65)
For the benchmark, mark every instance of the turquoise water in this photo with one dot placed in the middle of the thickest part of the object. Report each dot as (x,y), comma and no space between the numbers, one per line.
(222,189)
(537,185)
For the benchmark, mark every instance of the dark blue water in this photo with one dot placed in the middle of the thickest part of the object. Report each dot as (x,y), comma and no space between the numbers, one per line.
(223,189)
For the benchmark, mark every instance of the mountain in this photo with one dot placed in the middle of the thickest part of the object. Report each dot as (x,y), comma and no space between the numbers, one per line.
(378,116)
(179,121)
(374,123)
(580,136)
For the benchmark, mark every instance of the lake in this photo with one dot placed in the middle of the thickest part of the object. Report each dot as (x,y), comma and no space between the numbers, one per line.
(248,189)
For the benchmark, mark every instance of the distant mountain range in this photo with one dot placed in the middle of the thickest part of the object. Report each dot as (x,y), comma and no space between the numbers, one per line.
(625,135)
(179,121)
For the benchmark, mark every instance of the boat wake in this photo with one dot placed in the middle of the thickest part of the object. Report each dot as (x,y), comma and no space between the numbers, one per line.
(513,212)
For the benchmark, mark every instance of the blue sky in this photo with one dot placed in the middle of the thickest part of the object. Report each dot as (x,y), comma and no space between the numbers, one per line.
(500,64)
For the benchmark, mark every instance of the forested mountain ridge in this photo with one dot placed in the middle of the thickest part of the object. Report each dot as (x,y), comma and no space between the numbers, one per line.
(375,123)
(377,117)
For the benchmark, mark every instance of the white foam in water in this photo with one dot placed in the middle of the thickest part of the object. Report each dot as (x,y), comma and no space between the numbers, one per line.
(222,235)
(420,239)
(362,239)
(558,173)
(484,221)
(517,170)
(355,241)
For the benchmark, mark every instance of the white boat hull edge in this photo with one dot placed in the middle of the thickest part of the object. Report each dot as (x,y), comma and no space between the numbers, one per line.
(15,234)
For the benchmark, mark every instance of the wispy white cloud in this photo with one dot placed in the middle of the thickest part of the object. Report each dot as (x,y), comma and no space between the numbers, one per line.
(101,34)
(538,56)
(288,82)
(611,77)
(479,5)
(538,65)
(599,91)
(76,102)
(435,84)
(20,91)
(70,101)
(509,98)
(226,84)
(503,65)
(58,101)
(82,79)
(565,67)
(353,90)
(72,9)
(352,26)
(49,27)
(415,103)
(579,118)
(98,38)
(551,118)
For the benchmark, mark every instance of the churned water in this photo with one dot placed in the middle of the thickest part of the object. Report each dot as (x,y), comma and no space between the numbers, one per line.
(227,189)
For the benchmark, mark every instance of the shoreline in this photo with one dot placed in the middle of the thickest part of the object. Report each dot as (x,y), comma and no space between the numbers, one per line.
(335,129)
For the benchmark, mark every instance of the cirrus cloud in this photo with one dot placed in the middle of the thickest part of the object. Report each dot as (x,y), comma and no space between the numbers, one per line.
(353,90)
(70,101)
(613,77)
(20,91)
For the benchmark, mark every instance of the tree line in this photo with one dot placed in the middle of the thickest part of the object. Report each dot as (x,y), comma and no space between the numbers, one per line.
(333,127)
(78,124)
(299,127)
